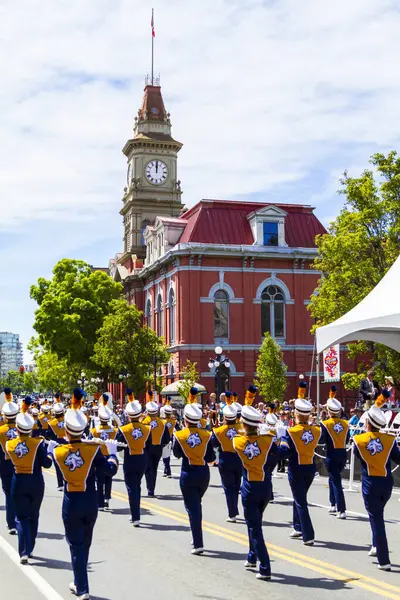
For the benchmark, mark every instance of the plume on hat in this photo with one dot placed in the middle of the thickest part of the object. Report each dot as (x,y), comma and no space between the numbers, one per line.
(168,401)
(76,400)
(333,391)
(149,396)
(193,395)
(302,389)
(250,395)
(26,404)
(229,398)
(130,394)
(382,398)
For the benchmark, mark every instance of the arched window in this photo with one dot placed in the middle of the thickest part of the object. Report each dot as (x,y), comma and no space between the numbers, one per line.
(221,314)
(148,313)
(172,326)
(159,315)
(273,312)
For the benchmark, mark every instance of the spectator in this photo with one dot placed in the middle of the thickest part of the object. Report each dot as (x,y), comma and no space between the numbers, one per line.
(389,386)
(368,391)
(357,412)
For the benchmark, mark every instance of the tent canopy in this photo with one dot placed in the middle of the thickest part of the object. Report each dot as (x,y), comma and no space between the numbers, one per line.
(173,389)
(376,318)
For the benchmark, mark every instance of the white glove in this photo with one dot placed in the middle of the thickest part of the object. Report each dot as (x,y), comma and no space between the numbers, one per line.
(111,446)
(280,432)
(50,448)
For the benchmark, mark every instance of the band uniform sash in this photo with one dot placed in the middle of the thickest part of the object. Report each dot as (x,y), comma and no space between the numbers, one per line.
(305,439)
(75,461)
(7,432)
(375,449)
(44,421)
(337,429)
(253,451)
(157,427)
(104,432)
(136,435)
(170,423)
(225,435)
(22,452)
(193,442)
(57,426)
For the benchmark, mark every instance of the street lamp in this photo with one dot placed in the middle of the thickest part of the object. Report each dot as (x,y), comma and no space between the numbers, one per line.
(217,362)
(82,380)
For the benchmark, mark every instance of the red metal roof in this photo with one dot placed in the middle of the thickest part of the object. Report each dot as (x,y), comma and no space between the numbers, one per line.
(225,222)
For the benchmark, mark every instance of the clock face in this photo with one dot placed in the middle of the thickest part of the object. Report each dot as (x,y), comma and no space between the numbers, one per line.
(156,172)
(129,174)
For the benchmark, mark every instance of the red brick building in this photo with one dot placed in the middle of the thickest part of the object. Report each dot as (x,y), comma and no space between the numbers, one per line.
(221,273)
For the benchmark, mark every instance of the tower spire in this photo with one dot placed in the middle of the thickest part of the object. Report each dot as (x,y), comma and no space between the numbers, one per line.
(153,35)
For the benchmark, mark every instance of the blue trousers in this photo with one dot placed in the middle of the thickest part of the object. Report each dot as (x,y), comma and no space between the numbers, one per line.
(6,479)
(336,495)
(167,465)
(193,489)
(27,493)
(255,497)
(375,499)
(133,482)
(79,513)
(231,478)
(300,482)
(104,487)
(153,460)
(60,478)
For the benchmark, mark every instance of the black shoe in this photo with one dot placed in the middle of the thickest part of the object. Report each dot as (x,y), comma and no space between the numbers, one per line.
(150,494)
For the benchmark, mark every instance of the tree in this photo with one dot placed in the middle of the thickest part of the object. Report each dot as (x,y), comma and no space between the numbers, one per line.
(72,307)
(30,382)
(15,380)
(125,346)
(359,248)
(190,376)
(271,371)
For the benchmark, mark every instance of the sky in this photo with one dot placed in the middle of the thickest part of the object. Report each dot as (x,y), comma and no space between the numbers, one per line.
(273,100)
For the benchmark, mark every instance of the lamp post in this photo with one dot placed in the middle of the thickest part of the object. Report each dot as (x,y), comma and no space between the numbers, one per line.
(217,362)
(82,380)
(155,372)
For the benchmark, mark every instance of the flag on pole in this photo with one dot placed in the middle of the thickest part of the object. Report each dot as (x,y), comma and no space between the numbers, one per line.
(153,33)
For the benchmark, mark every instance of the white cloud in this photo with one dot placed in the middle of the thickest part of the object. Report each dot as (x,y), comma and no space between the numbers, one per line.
(262,93)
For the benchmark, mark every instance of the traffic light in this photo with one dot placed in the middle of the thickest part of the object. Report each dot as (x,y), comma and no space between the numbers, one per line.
(22,369)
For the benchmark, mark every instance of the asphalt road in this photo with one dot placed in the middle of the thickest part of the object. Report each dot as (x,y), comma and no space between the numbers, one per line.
(154,561)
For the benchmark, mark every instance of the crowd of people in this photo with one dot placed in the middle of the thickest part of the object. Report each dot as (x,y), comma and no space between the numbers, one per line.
(245,441)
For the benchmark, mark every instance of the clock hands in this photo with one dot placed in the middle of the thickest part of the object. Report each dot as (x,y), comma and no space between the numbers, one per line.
(156,166)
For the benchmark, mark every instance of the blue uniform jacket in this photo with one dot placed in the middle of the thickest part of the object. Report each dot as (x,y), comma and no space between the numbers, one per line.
(374,483)
(134,463)
(333,454)
(225,459)
(192,472)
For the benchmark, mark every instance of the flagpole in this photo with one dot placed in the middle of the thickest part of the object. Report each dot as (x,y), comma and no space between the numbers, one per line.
(152,46)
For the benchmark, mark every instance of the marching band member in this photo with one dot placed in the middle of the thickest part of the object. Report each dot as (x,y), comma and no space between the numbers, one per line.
(138,437)
(193,399)
(238,407)
(104,431)
(79,462)
(37,429)
(256,454)
(376,450)
(56,433)
(170,422)
(28,455)
(300,443)
(192,444)
(8,432)
(335,433)
(271,420)
(229,464)
(44,417)
(159,438)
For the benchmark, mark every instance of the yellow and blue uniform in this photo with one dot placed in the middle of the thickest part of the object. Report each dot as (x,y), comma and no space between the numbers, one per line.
(160,437)
(79,463)
(103,481)
(56,432)
(193,445)
(7,432)
(299,445)
(335,434)
(376,451)
(258,455)
(37,428)
(28,455)
(170,423)
(137,437)
(44,422)
(229,464)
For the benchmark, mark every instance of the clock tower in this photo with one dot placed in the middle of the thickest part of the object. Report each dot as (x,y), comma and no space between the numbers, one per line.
(152,187)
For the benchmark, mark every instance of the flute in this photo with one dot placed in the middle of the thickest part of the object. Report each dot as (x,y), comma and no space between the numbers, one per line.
(100,442)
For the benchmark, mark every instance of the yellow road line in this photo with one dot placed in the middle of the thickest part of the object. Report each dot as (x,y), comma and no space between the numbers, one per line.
(331,571)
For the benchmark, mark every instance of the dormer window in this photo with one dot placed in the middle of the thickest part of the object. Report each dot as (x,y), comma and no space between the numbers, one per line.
(270,233)
(268,226)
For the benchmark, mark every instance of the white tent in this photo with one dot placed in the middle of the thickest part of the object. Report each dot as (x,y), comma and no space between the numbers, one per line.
(173,389)
(376,318)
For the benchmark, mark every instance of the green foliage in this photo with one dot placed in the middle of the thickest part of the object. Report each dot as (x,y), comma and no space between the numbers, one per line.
(271,371)
(189,376)
(72,307)
(124,346)
(31,383)
(53,374)
(15,380)
(351,381)
(359,248)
